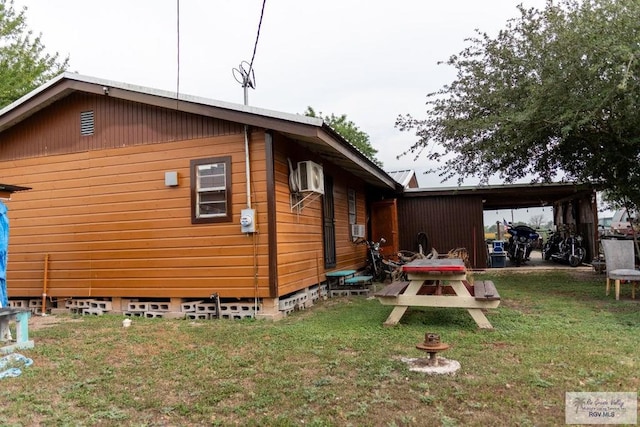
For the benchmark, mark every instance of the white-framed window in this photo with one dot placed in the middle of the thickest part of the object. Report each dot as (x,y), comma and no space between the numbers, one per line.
(211,190)
(352,207)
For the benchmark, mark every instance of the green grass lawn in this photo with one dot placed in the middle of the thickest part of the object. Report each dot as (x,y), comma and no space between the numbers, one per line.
(335,364)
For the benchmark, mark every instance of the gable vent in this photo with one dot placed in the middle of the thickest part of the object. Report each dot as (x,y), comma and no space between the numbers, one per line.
(87,124)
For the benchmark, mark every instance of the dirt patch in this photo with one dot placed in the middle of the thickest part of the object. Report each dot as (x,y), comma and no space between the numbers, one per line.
(37,321)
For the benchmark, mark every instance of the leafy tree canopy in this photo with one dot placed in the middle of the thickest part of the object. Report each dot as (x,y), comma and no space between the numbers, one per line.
(24,65)
(349,131)
(555,95)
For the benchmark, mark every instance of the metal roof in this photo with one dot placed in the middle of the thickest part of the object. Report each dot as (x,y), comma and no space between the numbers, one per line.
(403,177)
(311,132)
(111,84)
(512,195)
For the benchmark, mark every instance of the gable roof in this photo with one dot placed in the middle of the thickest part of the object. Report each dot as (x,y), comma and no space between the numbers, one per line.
(403,177)
(313,133)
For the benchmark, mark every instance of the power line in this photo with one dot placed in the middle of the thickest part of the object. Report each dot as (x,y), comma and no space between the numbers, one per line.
(255,46)
(178,50)
(246,76)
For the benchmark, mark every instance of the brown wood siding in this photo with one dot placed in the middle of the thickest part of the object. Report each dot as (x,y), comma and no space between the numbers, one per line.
(299,234)
(449,222)
(112,227)
(56,129)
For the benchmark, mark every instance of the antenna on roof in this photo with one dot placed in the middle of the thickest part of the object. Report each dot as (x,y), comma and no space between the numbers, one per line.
(244,74)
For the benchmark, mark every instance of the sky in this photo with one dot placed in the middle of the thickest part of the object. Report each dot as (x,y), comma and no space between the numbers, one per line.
(369,59)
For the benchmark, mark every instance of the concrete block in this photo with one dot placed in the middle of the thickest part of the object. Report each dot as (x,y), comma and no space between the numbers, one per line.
(158,306)
(154,314)
(236,316)
(349,292)
(78,303)
(289,302)
(92,311)
(237,310)
(35,303)
(198,316)
(100,305)
(19,303)
(287,312)
(324,292)
(206,307)
(313,294)
(134,313)
(189,306)
(137,306)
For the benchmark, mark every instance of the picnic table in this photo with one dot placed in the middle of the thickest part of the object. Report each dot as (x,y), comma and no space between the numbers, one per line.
(439,283)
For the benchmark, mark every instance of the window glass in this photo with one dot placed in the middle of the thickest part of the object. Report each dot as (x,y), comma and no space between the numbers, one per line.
(210,190)
(352,206)
(211,177)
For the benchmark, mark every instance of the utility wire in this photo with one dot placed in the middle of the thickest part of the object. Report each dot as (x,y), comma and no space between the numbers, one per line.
(255,46)
(178,49)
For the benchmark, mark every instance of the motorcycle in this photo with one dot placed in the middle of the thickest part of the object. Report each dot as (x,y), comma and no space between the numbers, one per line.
(552,245)
(378,266)
(520,243)
(564,249)
(375,264)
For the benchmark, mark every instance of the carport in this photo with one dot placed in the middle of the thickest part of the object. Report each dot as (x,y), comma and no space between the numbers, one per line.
(452,217)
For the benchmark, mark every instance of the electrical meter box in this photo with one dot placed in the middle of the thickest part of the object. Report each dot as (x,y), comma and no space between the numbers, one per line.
(248,221)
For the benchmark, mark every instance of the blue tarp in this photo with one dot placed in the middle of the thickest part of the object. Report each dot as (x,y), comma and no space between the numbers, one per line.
(4,247)
(12,365)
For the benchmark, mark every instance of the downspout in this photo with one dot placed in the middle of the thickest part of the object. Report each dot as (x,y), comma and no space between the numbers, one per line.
(45,282)
(247,164)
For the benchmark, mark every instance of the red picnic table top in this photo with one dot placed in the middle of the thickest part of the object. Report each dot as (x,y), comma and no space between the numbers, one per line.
(443,266)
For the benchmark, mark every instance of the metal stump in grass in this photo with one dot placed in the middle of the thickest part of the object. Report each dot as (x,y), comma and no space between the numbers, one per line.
(432,346)
(433,364)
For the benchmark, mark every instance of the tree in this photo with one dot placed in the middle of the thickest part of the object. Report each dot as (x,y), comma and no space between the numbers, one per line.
(349,131)
(536,221)
(24,65)
(555,95)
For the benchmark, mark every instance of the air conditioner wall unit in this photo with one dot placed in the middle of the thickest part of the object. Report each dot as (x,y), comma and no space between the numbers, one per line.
(357,230)
(310,177)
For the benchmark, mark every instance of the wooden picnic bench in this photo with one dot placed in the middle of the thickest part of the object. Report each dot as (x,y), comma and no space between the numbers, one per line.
(485,291)
(392,290)
(347,282)
(338,277)
(358,280)
(439,283)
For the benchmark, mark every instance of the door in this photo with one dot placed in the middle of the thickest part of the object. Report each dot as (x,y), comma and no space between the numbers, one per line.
(328,222)
(384,223)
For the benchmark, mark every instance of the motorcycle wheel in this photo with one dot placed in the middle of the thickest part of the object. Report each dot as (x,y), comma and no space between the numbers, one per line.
(518,259)
(576,259)
(546,253)
(379,275)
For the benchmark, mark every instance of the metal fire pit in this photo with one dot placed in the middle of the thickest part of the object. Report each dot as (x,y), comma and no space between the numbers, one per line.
(432,346)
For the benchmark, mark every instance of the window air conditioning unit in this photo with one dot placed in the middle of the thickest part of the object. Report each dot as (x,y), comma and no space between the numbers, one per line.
(310,177)
(357,230)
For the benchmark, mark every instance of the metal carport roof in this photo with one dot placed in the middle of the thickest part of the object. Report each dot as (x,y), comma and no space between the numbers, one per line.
(511,196)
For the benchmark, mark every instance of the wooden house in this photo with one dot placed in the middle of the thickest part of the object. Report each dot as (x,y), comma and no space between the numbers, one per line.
(140,193)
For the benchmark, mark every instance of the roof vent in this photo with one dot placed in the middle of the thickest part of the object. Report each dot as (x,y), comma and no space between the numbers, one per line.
(87,124)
